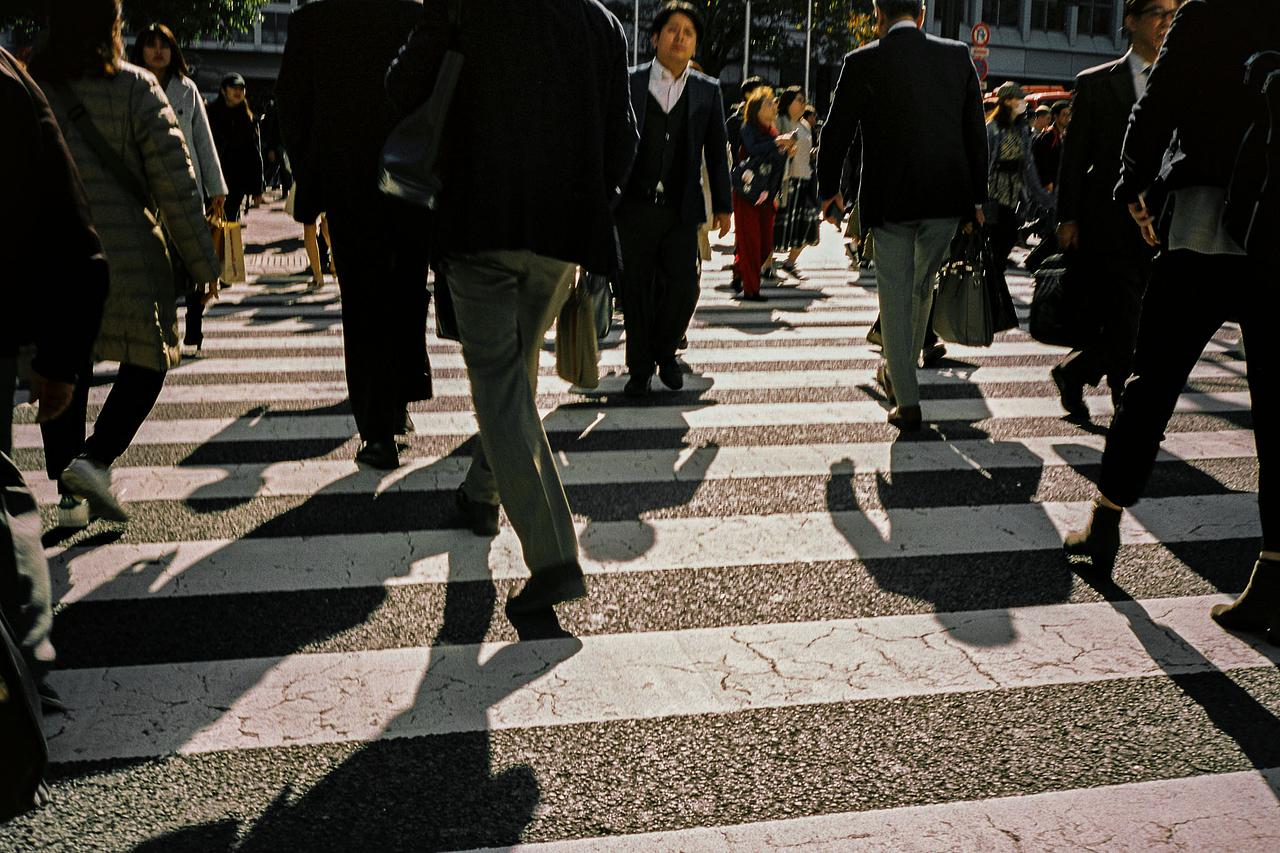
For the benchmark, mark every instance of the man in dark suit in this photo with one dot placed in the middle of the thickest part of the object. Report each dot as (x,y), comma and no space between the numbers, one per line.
(335,117)
(1110,251)
(1182,142)
(917,102)
(680,116)
(544,139)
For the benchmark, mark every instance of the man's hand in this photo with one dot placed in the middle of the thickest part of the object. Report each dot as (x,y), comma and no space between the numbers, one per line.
(1069,235)
(723,221)
(218,207)
(209,291)
(838,201)
(53,396)
(1146,222)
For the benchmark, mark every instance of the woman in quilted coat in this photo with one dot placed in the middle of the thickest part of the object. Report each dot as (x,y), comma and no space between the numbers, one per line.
(144,178)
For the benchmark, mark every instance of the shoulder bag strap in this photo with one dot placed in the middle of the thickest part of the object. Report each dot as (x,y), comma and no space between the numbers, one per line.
(107,156)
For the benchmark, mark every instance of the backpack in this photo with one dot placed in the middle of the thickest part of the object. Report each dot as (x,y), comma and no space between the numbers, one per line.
(1252,215)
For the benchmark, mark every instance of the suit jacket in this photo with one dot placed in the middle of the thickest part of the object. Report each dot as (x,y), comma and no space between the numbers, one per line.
(333,108)
(917,102)
(541,135)
(1187,128)
(53,266)
(705,135)
(1091,160)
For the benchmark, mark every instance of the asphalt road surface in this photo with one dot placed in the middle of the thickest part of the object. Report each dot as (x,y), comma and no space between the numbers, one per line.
(803,632)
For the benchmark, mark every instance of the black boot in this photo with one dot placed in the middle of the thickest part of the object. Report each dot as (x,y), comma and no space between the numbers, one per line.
(1100,541)
(1257,610)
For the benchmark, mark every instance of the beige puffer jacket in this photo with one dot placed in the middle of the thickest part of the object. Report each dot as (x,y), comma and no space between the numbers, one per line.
(139,323)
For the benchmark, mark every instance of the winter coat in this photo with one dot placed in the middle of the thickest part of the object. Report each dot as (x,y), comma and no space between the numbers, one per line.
(239,147)
(140,323)
(185,99)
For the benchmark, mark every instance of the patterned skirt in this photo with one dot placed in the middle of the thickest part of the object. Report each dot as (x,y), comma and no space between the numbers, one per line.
(797,222)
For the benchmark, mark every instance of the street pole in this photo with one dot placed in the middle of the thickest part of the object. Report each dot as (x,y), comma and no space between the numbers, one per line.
(635,41)
(808,48)
(746,45)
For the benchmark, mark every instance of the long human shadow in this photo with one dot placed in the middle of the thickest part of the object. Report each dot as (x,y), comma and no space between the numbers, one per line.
(971,578)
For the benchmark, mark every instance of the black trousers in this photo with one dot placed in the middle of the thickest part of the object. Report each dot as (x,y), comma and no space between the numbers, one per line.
(131,399)
(1190,297)
(380,248)
(659,281)
(1002,231)
(1117,284)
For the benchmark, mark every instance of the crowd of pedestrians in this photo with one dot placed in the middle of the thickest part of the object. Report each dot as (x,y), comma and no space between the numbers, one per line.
(571,160)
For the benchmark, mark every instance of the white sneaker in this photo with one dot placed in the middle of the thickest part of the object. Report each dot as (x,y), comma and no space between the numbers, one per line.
(93,482)
(73,513)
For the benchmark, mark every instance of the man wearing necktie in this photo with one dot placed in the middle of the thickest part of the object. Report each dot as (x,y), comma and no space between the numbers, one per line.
(1116,261)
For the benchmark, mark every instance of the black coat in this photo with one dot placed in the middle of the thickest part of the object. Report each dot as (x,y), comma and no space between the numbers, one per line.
(917,102)
(236,137)
(1186,130)
(706,137)
(542,133)
(53,272)
(333,107)
(1091,160)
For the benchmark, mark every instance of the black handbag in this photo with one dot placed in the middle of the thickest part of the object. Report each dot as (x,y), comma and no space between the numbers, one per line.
(962,304)
(600,293)
(411,155)
(1059,306)
(758,179)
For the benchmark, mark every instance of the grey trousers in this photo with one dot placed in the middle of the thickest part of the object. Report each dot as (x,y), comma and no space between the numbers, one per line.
(505,302)
(25,592)
(908,256)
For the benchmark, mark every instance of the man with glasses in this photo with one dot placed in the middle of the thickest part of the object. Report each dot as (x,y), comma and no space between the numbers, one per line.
(1110,253)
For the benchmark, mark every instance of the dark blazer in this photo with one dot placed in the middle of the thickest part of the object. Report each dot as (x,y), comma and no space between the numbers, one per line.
(54,271)
(918,104)
(333,108)
(541,136)
(1091,160)
(1187,129)
(706,135)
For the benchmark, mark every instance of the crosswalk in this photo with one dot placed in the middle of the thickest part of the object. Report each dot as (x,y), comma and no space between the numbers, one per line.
(804,632)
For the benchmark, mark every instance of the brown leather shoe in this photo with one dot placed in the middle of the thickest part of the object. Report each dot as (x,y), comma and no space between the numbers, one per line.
(906,418)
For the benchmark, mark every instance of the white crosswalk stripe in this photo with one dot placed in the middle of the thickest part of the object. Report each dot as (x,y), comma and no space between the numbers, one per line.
(279,634)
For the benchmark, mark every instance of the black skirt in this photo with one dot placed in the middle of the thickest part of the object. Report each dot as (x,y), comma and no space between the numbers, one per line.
(797,223)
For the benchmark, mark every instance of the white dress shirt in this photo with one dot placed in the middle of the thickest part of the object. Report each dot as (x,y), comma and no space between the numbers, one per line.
(666,88)
(1139,68)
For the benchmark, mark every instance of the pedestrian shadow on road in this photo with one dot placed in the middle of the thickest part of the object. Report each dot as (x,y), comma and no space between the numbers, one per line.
(890,518)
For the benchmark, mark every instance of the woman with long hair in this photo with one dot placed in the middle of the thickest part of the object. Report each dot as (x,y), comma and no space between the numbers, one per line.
(235,133)
(127,144)
(797,221)
(753,217)
(157,50)
(1012,178)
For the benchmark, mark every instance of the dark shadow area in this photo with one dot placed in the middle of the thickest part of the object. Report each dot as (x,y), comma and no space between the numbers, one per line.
(285,246)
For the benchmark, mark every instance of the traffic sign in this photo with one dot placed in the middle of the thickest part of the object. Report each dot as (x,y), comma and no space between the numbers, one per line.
(980,52)
(981,34)
(980,65)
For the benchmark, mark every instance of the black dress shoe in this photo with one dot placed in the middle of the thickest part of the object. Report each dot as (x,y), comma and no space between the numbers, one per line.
(1071,394)
(684,343)
(906,418)
(1099,541)
(874,336)
(547,588)
(407,428)
(670,374)
(933,354)
(538,625)
(1257,610)
(382,455)
(637,385)
(480,517)
(50,701)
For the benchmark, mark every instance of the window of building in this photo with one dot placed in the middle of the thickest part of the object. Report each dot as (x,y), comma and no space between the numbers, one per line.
(1049,16)
(275,27)
(1097,17)
(1002,13)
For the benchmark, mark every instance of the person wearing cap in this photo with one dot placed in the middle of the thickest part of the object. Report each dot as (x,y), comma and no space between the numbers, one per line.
(1114,259)
(917,102)
(1012,177)
(235,134)
(680,116)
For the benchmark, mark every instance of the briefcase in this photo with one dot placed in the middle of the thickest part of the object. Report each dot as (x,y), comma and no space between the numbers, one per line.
(577,348)
(1059,305)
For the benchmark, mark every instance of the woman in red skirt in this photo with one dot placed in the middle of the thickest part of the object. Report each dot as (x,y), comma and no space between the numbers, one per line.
(761,161)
